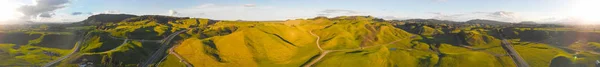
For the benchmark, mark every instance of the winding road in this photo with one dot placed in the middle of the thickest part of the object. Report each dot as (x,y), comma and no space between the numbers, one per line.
(75,50)
(161,50)
(325,52)
(164,42)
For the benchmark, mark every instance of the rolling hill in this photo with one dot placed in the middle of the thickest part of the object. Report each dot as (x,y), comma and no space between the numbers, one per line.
(345,41)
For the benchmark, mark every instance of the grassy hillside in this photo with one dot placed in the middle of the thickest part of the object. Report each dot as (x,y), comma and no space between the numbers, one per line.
(34,46)
(28,55)
(345,41)
(289,44)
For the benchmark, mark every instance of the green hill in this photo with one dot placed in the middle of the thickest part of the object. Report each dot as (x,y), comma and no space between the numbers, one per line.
(345,41)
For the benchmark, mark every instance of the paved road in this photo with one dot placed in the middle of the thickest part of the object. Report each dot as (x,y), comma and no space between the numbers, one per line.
(161,50)
(75,50)
(512,52)
(165,43)
(171,51)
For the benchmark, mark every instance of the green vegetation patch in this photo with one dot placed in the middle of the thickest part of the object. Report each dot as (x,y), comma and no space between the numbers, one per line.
(539,55)
(27,55)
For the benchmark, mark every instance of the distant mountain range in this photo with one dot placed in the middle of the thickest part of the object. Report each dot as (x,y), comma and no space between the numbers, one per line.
(97,19)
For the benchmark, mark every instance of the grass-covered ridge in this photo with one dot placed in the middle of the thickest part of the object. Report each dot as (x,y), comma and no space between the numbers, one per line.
(290,44)
(346,41)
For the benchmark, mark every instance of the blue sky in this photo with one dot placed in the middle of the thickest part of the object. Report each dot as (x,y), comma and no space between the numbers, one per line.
(456,10)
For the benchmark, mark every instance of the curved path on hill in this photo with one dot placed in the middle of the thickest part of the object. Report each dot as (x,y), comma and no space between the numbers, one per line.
(325,52)
(162,41)
(162,49)
(75,50)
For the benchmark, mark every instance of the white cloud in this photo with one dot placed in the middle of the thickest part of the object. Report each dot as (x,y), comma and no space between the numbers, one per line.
(49,11)
(111,12)
(61,17)
(454,17)
(237,12)
(42,8)
(206,5)
(266,12)
(249,5)
(173,12)
(505,16)
(338,12)
(46,15)
(394,17)
(329,11)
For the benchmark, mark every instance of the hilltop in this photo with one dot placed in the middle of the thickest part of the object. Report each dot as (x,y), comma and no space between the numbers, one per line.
(100,18)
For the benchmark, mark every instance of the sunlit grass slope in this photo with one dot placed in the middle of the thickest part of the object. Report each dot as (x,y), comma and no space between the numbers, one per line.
(267,44)
(289,43)
(107,46)
(352,41)
(27,55)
